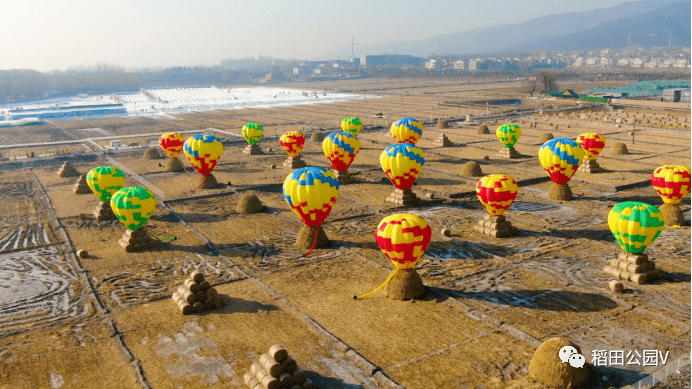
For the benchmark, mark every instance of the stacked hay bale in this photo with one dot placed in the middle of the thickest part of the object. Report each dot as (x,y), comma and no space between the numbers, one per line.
(633,267)
(137,240)
(443,141)
(103,211)
(81,187)
(277,370)
(67,170)
(496,226)
(196,295)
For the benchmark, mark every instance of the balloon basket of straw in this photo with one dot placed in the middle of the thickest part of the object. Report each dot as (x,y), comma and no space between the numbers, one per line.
(672,214)
(560,192)
(253,150)
(306,238)
(173,164)
(294,162)
(104,212)
(508,153)
(344,177)
(404,284)
(496,226)
(137,241)
(402,197)
(635,268)
(590,166)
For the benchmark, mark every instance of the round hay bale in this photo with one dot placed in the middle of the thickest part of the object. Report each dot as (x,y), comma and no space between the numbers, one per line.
(616,286)
(174,165)
(547,368)
(619,148)
(486,158)
(446,232)
(317,137)
(442,124)
(405,285)
(568,126)
(152,153)
(249,203)
(483,129)
(210,183)
(471,169)
(546,136)
(82,254)
(306,236)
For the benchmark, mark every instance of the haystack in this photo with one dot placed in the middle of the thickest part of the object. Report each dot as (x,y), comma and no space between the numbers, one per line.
(619,148)
(306,236)
(672,214)
(547,368)
(174,165)
(560,192)
(405,284)
(81,186)
(209,183)
(67,170)
(317,137)
(277,370)
(442,124)
(196,295)
(443,141)
(636,268)
(253,150)
(249,203)
(137,241)
(483,129)
(546,136)
(152,153)
(471,169)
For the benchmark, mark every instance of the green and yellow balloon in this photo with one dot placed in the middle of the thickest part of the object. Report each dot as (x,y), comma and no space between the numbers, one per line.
(508,134)
(635,225)
(253,132)
(134,206)
(104,181)
(352,125)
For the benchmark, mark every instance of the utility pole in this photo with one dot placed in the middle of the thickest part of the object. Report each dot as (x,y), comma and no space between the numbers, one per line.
(352,60)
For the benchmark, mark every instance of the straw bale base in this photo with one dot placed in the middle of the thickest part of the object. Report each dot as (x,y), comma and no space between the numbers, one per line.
(294,162)
(253,150)
(174,165)
(496,226)
(405,285)
(210,183)
(590,166)
(673,215)
(104,212)
(344,177)
(402,197)
(508,153)
(137,241)
(560,192)
(306,236)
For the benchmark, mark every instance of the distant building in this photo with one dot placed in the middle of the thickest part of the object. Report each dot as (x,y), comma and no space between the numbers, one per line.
(578,62)
(606,62)
(592,61)
(623,62)
(434,64)
(676,95)
(298,71)
(390,60)
(680,63)
(636,63)
(651,64)
(459,64)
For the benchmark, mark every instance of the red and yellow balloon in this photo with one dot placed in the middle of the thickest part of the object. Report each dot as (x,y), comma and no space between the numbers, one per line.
(671,182)
(341,149)
(402,163)
(592,144)
(172,143)
(497,192)
(561,157)
(403,238)
(292,142)
(407,130)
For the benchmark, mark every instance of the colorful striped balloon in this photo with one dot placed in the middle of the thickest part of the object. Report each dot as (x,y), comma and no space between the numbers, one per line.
(403,238)
(508,134)
(635,225)
(311,192)
(292,142)
(671,182)
(561,157)
(592,144)
(172,143)
(352,125)
(253,132)
(203,151)
(497,192)
(104,181)
(133,206)
(407,130)
(341,149)
(402,163)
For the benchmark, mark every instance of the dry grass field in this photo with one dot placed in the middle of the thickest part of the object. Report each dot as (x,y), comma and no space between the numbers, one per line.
(108,320)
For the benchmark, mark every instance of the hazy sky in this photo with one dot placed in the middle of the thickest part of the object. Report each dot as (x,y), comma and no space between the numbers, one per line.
(46,35)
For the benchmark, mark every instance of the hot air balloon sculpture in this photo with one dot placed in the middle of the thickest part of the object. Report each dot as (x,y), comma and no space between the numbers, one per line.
(403,238)
(560,157)
(635,226)
(311,192)
(592,144)
(134,206)
(341,149)
(104,181)
(496,192)
(203,151)
(407,130)
(352,125)
(672,183)
(172,144)
(292,142)
(402,163)
(253,132)
(508,134)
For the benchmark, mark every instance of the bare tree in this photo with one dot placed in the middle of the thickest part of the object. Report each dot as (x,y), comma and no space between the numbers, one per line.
(529,86)
(547,79)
